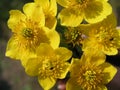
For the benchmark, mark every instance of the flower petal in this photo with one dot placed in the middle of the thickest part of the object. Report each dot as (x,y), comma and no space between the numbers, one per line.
(16,16)
(65,70)
(41,50)
(53,7)
(53,37)
(49,6)
(110,72)
(69,19)
(50,22)
(50,11)
(96,58)
(46,83)
(97,11)
(101,87)
(34,12)
(12,49)
(110,51)
(71,85)
(44,3)
(32,67)
(63,3)
(64,53)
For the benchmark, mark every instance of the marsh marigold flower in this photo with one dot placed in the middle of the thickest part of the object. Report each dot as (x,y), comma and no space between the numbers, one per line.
(28,32)
(75,11)
(49,65)
(102,36)
(90,73)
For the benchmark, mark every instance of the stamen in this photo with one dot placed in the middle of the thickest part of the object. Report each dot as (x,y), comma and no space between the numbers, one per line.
(27,32)
(90,75)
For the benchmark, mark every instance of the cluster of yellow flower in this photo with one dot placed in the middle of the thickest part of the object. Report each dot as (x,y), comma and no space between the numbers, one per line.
(36,43)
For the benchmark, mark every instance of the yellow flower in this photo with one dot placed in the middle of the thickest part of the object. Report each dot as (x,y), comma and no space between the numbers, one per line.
(102,36)
(90,73)
(50,11)
(75,11)
(28,32)
(49,65)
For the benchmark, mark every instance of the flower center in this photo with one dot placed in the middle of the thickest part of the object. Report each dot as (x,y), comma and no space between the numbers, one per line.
(50,67)
(78,6)
(81,1)
(73,35)
(27,32)
(90,75)
(47,64)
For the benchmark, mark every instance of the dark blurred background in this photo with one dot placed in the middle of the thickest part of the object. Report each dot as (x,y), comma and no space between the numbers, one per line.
(12,75)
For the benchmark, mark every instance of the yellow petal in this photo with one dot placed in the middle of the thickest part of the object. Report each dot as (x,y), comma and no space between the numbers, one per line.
(110,51)
(12,49)
(110,72)
(53,7)
(69,19)
(49,6)
(97,11)
(63,3)
(71,85)
(50,22)
(65,70)
(41,50)
(94,57)
(32,66)
(53,37)
(34,12)
(16,16)
(75,62)
(43,3)
(64,53)
(101,87)
(47,83)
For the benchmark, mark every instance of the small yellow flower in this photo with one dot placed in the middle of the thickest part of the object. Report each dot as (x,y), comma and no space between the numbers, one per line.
(90,73)
(102,36)
(28,32)
(49,65)
(75,11)
(50,11)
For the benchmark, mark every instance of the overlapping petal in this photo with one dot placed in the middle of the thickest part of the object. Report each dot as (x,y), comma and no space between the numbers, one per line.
(34,12)
(50,10)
